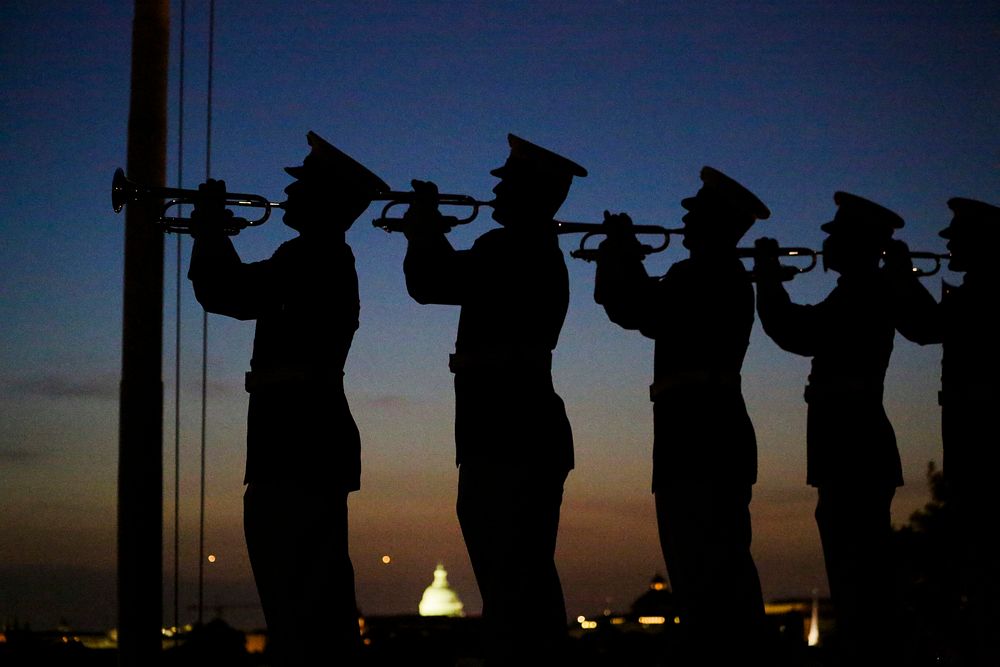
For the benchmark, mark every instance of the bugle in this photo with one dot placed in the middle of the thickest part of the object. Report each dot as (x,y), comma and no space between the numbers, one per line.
(788,271)
(813,256)
(124,191)
(394,199)
(936,257)
(591,229)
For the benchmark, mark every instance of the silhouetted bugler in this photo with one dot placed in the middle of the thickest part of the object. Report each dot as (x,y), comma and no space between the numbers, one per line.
(513,440)
(303,446)
(852,457)
(700,315)
(964,323)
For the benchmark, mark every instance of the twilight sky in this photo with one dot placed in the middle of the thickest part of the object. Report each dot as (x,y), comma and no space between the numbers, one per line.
(894,101)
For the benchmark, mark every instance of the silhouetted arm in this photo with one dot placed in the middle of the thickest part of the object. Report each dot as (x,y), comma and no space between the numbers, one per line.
(621,284)
(435,272)
(793,327)
(223,284)
(623,288)
(916,314)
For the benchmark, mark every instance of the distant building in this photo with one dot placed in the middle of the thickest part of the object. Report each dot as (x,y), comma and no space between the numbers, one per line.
(656,606)
(798,621)
(439,599)
(655,611)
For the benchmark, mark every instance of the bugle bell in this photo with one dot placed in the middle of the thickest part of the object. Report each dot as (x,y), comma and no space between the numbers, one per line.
(394,199)
(591,229)
(124,191)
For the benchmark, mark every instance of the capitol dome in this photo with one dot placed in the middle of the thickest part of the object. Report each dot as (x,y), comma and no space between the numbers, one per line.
(438,598)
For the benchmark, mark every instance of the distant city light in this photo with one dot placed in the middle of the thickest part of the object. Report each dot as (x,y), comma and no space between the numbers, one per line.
(581,619)
(652,620)
(386,559)
(211,558)
(814,622)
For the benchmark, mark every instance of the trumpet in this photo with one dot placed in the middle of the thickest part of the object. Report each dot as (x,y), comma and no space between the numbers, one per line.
(395,199)
(591,229)
(124,191)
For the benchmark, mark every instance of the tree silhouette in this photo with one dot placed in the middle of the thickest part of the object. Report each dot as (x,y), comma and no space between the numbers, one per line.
(931,589)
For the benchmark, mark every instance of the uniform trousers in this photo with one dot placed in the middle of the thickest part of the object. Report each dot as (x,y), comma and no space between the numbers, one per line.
(510,519)
(296,536)
(855,528)
(705,535)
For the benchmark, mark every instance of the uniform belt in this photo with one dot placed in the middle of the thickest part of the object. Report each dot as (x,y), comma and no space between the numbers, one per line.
(844,388)
(500,360)
(687,379)
(277,377)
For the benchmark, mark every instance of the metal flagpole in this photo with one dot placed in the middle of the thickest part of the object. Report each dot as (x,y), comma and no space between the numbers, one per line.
(140,439)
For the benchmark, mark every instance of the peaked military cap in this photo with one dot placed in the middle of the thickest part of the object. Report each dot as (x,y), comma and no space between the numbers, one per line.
(970,216)
(718,189)
(324,161)
(858,214)
(526,155)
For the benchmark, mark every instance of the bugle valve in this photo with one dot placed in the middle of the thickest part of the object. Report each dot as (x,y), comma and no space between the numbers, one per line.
(591,229)
(394,199)
(124,191)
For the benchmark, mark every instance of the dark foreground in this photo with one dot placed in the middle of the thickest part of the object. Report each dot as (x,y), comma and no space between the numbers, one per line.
(405,640)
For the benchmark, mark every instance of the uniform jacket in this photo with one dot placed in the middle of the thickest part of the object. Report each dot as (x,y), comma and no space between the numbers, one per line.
(700,314)
(970,367)
(513,290)
(305,301)
(849,336)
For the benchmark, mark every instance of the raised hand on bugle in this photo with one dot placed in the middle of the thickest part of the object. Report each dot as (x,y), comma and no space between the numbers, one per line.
(621,236)
(210,215)
(422,204)
(423,215)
